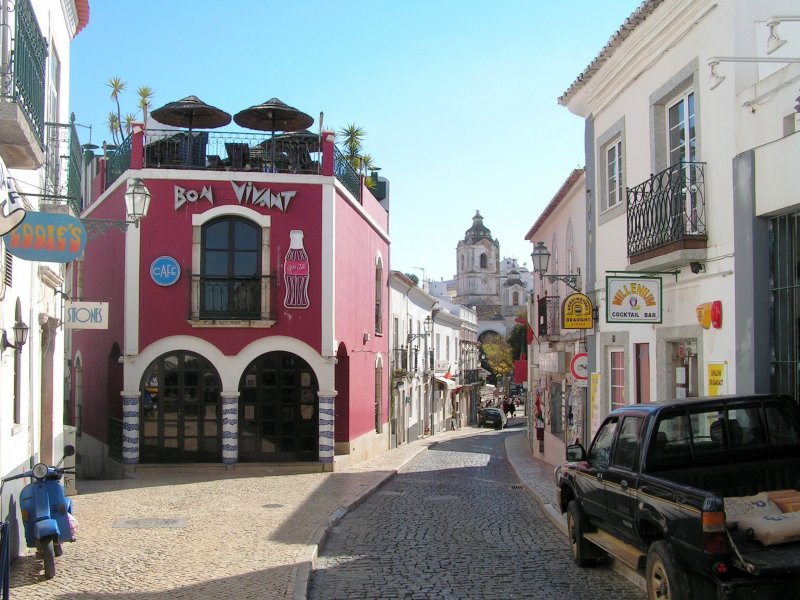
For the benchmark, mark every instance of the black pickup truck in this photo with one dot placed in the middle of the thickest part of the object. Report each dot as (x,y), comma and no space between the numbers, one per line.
(650,492)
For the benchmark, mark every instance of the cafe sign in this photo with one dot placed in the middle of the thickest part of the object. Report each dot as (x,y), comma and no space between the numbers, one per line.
(576,312)
(633,300)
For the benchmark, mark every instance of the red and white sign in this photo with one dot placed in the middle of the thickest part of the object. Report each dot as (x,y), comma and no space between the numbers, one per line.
(579,366)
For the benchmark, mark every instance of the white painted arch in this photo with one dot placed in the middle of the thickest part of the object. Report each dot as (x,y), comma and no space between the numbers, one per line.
(230,368)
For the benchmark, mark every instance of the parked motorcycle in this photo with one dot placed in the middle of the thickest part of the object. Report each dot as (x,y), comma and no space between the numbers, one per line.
(46,511)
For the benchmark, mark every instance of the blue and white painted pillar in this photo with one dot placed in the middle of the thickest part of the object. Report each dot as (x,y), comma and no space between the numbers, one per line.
(326,426)
(230,427)
(130,427)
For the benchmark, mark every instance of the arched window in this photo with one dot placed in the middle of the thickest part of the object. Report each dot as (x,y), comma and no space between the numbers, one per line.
(515,299)
(570,248)
(484,261)
(378,296)
(553,267)
(230,269)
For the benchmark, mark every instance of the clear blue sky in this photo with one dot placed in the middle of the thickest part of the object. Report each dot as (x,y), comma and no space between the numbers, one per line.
(458,97)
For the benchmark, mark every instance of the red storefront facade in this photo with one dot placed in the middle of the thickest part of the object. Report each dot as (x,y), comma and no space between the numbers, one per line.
(246,319)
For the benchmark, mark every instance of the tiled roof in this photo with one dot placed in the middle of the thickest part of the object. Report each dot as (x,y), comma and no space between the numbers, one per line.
(82,7)
(554,203)
(645,9)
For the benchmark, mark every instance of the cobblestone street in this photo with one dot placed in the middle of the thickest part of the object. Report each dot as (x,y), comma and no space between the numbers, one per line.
(455,523)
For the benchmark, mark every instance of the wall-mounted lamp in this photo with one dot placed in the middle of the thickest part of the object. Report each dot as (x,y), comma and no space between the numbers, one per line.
(697,267)
(541,260)
(20,337)
(427,326)
(137,204)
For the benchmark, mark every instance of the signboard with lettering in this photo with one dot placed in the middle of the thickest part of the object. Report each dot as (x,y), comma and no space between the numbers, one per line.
(633,300)
(47,237)
(576,312)
(165,271)
(716,379)
(85,315)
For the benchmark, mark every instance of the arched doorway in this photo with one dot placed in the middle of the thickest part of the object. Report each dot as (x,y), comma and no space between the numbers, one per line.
(278,410)
(180,410)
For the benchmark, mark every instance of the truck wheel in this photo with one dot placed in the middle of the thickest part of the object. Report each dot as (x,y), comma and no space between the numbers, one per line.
(583,553)
(49,558)
(665,580)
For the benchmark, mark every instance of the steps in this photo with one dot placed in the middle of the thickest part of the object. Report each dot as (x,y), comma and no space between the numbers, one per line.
(625,553)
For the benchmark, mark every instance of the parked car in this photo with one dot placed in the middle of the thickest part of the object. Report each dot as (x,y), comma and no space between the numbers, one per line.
(665,488)
(492,417)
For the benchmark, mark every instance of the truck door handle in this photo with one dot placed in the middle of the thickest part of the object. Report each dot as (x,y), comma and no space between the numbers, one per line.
(624,485)
(599,477)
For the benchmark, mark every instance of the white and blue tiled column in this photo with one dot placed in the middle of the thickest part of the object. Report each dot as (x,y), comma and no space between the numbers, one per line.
(130,427)
(230,427)
(326,426)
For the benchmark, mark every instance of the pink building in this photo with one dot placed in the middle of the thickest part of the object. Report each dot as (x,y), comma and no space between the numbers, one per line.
(246,313)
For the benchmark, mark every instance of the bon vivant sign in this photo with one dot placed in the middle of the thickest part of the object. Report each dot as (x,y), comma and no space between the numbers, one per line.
(633,300)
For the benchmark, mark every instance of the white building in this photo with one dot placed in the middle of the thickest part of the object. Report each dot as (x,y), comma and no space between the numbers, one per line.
(427,342)
(557,395)
(39,161)
(691,184)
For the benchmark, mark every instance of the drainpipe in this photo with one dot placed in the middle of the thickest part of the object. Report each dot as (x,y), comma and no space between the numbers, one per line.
(5,49)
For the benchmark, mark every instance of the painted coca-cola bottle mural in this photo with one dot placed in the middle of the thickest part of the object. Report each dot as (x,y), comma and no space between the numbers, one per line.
(295,272)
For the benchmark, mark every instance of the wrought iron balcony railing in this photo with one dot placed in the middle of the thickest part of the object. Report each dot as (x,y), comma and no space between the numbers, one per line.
(667,208)
(62,168)
(400,358)
(22,67)
(548,317)
(233,298)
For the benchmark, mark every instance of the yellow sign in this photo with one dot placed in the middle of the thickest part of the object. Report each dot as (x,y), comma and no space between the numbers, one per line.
(716,379)
(576,312)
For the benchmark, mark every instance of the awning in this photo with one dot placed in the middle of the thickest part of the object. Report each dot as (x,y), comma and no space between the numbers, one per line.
(449,383)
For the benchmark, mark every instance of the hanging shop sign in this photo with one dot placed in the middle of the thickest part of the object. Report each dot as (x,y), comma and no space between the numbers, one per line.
(165,271)
(633,300)
(85,315)
(576,312)
(47,237)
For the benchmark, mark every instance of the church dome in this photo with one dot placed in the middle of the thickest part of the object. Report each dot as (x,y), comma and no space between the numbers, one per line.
(478,231)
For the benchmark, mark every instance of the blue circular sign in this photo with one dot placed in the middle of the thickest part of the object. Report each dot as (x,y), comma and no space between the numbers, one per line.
(165,270)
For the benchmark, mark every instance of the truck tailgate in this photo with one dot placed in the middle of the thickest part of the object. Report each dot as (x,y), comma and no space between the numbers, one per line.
(755,558)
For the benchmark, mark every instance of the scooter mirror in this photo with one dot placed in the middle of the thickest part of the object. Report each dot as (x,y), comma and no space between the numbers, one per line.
(69,450)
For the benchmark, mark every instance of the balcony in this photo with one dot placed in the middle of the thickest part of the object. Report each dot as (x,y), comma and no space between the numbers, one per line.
(62,170)
(22,90)
(666,218)
(400,361)
(233,301)
(298,153)
(548,317)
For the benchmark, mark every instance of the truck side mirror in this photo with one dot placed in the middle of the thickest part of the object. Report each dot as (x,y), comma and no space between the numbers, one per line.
(69,450)
(575,453)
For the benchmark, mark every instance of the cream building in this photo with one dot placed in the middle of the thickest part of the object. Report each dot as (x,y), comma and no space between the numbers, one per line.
(691,185)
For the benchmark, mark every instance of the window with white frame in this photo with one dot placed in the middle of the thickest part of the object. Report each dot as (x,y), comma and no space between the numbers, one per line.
(615,191)
(616,377)
(682,143)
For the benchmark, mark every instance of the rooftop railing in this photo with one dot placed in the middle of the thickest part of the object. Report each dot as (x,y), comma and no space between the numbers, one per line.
(292,153)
